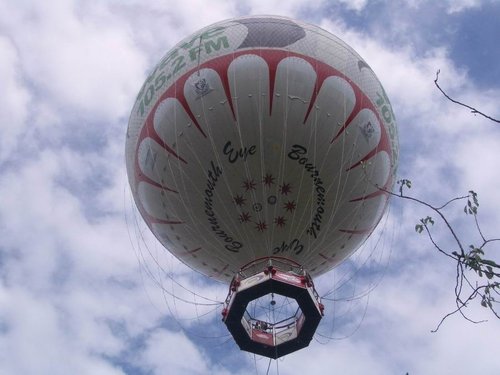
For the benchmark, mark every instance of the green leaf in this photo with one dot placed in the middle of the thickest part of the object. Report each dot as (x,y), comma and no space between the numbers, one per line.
(491,263)
(403,183)
(472,203)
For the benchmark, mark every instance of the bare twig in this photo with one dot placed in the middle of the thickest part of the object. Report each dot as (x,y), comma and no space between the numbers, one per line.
(436,210)
(472,109)
(459,309)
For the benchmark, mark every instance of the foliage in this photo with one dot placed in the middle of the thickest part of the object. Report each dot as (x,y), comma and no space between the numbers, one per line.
(469,261)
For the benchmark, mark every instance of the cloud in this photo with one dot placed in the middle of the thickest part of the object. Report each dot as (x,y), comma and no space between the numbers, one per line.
(38,340)
(82,64)
(356,5)
(290,8)
(461,5)
(174,351)
(15,101)
(75,295)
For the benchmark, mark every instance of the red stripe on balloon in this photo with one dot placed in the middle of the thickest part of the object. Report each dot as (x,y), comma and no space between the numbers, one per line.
(365,158)
(273,59)
(358,106)
(357,231)
(321,75)
(150,219)
(224,76)
(154,220)
(375,194)
(190,252)
(154,136)
(218,273)
(328,259)
(182,99)
(143,178)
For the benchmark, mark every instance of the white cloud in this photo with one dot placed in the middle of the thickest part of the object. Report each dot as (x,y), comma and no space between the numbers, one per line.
(157,27)
(357,5)
(39,340)
(72,295)
(15,101)
(175,352)
(293,8)
(83,65)
(475,158)
(455,6)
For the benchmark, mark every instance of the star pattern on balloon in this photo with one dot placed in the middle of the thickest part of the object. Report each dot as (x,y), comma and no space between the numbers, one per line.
(268,180)
(249,184)
(239,200)
(285,189)
(290,206)
(279,221)
(252,211)
(261,226)
(245,217)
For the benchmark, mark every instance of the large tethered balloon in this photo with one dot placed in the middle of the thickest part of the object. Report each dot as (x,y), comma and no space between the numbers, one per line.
(258,152)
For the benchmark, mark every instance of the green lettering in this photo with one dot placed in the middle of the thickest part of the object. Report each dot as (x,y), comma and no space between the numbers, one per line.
(194,53)
(188,45)
(165,60)
(203,36)
(149,95)
(160,81)
(213,32)
(211,45)
(140,110)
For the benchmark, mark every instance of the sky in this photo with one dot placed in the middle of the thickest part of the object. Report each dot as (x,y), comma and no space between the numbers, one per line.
(86,289)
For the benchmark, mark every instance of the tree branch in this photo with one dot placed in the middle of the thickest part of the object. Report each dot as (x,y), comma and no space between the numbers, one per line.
(468,261)
(435,209)
(472,109)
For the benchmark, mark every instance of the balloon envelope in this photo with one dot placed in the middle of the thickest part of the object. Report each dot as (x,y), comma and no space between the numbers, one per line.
(259,137)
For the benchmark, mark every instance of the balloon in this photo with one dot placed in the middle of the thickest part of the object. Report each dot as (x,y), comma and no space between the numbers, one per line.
(259,138)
